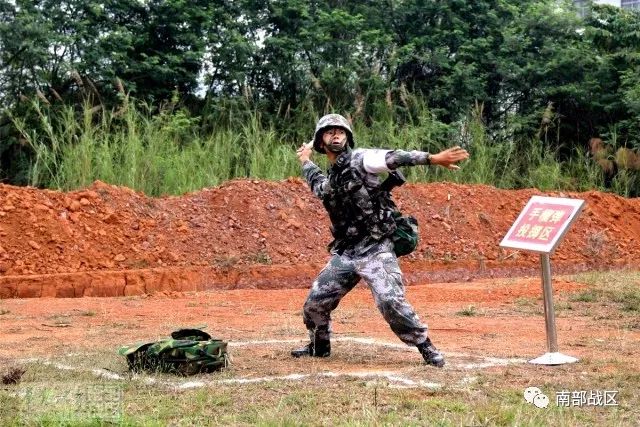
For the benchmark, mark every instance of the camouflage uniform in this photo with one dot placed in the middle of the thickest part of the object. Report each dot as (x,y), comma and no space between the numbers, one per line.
(361,225)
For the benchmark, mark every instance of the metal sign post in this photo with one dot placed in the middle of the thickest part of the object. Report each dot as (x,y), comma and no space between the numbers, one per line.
(539,228)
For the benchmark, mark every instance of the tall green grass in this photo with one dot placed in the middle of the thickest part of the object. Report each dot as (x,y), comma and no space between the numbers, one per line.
(171,152)
(157,153)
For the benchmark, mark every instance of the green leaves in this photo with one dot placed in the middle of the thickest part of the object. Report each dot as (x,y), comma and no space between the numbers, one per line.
(293,60)
(154,47)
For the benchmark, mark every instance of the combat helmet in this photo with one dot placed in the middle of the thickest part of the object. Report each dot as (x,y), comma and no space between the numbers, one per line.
(328,121)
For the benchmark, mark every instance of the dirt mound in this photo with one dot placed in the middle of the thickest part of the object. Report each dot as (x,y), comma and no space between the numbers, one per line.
(260,228)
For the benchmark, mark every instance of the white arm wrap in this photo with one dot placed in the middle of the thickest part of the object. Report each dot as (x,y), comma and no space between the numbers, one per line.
(374,161)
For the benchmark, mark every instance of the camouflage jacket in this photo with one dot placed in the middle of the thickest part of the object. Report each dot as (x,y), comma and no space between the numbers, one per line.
(359,209)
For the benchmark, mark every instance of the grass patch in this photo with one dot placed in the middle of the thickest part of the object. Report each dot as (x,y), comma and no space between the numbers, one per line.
(525,302)
(627,297)
(469,311)
(79,400)
(585,296)
(620,288)
(529,306)
(563,306)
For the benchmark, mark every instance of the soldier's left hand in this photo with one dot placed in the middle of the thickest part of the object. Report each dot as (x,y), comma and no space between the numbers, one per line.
(449,157)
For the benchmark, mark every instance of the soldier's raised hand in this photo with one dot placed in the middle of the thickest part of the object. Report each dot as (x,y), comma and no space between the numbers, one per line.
(449,157)
(304,152)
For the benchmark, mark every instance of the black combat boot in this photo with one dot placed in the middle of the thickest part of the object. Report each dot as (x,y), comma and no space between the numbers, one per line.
(430,354)
(321,348)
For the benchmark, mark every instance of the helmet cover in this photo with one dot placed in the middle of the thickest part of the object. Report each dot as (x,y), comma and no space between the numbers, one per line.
(330,121)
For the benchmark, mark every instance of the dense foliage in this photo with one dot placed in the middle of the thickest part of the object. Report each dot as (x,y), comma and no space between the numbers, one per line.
(526,72)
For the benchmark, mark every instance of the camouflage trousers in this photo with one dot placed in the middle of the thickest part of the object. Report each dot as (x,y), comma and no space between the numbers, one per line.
(381,272)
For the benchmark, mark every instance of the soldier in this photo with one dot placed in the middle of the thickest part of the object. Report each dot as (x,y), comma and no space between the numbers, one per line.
(361,224)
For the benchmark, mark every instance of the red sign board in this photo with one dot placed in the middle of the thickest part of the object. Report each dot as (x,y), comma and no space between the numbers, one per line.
(542,223)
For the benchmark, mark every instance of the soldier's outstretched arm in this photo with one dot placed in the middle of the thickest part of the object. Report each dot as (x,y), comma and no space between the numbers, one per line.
(446,158)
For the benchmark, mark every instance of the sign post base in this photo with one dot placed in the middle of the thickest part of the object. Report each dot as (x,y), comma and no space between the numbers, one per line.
(553,359)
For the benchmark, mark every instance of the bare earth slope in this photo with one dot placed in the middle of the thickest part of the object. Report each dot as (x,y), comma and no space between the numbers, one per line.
(108,241)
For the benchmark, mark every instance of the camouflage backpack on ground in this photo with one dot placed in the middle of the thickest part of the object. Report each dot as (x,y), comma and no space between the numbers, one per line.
(187,352)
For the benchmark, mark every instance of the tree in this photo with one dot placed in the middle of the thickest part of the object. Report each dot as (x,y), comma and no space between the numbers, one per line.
(614,36)
(155,47)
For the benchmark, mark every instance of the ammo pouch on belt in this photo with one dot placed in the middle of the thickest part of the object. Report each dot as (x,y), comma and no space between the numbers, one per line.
(187,352)
(405,236)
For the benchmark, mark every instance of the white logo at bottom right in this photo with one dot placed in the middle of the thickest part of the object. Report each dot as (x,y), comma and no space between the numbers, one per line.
(536,397)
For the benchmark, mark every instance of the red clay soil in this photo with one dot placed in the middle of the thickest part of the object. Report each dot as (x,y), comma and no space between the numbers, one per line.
(111,241)
(63,325)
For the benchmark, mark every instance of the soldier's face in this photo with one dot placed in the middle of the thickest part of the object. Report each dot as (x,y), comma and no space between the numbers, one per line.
(334,139)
